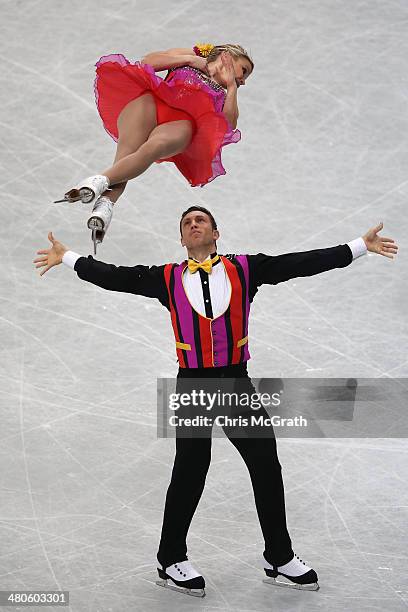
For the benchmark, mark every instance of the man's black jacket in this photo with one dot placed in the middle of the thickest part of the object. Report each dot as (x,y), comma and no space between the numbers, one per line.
(263,269)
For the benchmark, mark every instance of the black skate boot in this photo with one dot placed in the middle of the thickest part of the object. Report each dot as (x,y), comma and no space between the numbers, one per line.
(295,574)
(182,577)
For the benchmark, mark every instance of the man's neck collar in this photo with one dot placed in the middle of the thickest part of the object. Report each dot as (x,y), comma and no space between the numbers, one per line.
(210,256)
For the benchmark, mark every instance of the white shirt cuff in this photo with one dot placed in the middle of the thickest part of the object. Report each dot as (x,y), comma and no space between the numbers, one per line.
(70,258)
(358,247)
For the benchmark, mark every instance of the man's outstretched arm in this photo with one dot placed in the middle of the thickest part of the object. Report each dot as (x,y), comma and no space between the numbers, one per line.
(140,280)
(276,269)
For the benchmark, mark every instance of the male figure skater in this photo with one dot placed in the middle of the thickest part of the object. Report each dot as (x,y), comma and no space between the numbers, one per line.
(209,298)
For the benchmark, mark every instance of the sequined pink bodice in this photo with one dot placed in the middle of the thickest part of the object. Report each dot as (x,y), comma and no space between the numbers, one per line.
(194,77)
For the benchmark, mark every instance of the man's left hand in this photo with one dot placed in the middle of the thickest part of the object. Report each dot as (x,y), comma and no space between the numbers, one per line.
(380,244)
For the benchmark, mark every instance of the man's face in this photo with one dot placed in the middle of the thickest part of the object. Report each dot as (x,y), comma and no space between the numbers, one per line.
(197,231)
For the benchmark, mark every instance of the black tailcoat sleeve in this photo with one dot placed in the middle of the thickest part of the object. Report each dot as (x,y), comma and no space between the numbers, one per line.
(274,269)
(140,280)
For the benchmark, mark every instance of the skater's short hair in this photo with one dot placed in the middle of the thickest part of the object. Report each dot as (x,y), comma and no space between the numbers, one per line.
(201,209)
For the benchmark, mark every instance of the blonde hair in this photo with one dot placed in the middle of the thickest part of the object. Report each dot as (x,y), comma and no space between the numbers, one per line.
(235,50)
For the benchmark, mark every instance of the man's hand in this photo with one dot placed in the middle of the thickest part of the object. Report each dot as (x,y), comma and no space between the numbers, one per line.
(51,257)
(380,244)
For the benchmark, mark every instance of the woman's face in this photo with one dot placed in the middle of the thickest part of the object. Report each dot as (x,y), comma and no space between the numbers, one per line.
(242,69)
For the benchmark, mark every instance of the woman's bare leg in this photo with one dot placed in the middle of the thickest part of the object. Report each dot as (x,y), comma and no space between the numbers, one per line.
(165,140)
(135,124)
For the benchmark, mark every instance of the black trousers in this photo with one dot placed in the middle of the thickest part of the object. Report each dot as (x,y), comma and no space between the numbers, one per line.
(191,463)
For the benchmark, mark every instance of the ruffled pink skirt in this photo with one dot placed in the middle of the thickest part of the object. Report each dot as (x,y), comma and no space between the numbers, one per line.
(184,96)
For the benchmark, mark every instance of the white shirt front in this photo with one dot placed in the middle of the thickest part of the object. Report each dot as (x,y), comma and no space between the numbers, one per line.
(219,285)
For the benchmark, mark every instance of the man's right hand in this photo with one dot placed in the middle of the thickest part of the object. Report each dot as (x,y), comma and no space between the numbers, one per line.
(51,257)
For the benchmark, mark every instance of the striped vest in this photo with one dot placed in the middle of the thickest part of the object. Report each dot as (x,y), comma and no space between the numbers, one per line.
(202,342)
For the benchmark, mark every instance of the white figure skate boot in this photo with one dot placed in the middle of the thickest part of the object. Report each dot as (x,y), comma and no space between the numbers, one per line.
(88,190)
(100,219)
(182,577)
(295,574)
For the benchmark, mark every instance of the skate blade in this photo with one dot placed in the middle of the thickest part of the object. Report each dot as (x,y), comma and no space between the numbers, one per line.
(75,195)
(96,225)
(174,587)
(313,586)
(70,199)
(97,238)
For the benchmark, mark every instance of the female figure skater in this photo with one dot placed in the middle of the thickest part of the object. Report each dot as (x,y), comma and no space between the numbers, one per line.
(185,118)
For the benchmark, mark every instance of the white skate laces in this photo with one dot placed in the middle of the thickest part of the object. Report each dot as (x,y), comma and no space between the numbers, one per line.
(88,190)
(100,219)
(182,577)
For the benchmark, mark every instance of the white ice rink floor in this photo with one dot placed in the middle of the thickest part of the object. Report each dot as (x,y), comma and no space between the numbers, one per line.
(323,158)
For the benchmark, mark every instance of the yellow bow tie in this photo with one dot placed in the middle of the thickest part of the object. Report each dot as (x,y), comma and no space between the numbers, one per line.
(206,265)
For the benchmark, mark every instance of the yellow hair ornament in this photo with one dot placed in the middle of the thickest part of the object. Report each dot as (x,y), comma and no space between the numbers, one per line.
(203,50)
